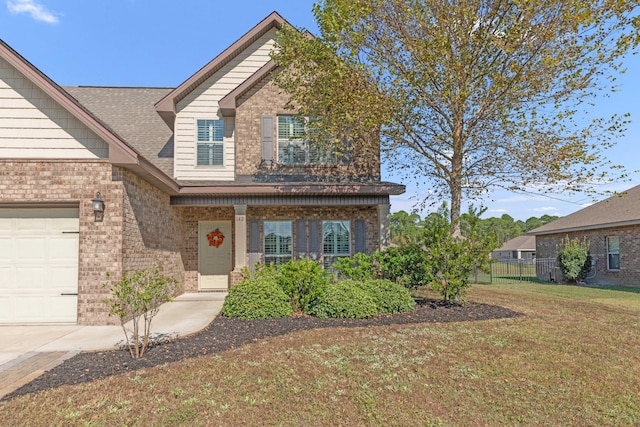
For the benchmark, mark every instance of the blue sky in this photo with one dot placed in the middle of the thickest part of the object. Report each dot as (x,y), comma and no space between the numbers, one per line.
(161,43)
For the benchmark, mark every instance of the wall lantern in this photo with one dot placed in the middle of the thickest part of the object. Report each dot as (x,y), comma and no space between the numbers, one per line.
(98,207)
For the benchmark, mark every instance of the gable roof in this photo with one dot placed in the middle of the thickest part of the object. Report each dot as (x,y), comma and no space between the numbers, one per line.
(520,243)
(166,107)
(129,112)
(616,211)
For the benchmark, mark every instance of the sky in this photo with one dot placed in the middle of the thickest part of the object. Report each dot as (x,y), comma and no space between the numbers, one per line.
(160,43)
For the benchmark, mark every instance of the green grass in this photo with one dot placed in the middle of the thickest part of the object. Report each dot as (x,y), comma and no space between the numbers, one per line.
(571,359)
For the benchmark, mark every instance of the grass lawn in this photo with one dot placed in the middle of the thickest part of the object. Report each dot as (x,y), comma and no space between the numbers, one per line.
(572,359)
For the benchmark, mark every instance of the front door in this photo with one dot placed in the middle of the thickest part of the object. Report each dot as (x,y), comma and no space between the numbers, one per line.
(214,255)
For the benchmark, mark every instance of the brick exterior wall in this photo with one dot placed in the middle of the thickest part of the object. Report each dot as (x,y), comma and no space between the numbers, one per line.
(152,229)
(629,273)
(265,98)
(51,181)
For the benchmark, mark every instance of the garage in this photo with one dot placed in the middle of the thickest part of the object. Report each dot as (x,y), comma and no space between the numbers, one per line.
(39,265)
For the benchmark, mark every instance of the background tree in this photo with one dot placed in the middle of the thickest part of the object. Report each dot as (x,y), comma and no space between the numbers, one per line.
(405,228)
(468,95)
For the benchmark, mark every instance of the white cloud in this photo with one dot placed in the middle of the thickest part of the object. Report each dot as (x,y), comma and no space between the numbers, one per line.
(545,209)
(37,11)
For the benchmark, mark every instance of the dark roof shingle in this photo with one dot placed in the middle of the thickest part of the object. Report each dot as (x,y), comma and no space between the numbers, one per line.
(618,210)
(131,114)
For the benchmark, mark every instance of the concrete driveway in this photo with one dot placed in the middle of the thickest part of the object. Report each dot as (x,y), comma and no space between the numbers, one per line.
(28,351)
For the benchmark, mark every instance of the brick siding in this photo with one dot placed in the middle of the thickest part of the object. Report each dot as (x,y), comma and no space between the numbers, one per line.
(51,181)
(265,98)
(629,274)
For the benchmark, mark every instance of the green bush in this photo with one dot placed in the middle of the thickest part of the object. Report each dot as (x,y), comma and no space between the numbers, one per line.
(137,297)
(256,298)
(574,259)
(359,267)
(405,265)
(343,300)
(301,280)
(389,297)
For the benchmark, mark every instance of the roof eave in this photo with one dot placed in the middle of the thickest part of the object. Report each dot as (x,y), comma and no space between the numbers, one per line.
(299,189)
(166,107)
(118,149)
(585,228)
(228,104)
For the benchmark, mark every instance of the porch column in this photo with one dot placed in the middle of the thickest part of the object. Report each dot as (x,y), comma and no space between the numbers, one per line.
(385,231)
(240,237)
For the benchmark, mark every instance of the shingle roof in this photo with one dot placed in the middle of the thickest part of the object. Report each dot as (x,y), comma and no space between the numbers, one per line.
(520,243)
(130,113)
(618,210)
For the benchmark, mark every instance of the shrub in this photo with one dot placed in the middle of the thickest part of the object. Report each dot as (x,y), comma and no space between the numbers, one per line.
(343,300)
(138,296)
(359,267)
(301,280)
(574,259)
(389,297)
(405,265)
(256,298)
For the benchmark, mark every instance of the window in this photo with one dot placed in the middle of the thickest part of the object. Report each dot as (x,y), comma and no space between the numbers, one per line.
(613,253)
(336,241)
(278,241)
(294,149)
(210,145)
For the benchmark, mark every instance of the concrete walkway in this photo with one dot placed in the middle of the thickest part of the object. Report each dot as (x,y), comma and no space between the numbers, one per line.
(26,352)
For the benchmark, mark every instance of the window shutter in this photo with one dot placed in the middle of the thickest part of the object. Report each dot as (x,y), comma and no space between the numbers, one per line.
(314,239)
(254,243)
(267,139)
(360,235)
(301,238)
(254,235)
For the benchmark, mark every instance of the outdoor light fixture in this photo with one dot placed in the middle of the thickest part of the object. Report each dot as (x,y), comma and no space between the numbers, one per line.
(98,207)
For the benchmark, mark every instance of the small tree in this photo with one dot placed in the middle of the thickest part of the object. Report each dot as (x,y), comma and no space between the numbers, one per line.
(139,296)
(452,260)
(574,259)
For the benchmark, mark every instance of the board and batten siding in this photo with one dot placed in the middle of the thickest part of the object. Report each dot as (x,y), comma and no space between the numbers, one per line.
(33,125)
(202,103)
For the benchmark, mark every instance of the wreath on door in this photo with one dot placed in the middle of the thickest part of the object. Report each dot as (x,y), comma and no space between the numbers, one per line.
(215,238)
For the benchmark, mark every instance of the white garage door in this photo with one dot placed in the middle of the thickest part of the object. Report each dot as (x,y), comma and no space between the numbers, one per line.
(39,265)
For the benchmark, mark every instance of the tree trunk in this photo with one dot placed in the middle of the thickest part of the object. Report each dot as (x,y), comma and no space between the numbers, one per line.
(456,201)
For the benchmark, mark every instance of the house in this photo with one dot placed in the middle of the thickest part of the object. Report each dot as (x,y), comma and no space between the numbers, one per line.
(202,180)
(612,229)
(521,247)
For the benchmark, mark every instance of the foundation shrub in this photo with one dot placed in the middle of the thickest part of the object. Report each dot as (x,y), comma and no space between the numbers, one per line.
(343,299)
(389,297)
(301,280)
(257,298)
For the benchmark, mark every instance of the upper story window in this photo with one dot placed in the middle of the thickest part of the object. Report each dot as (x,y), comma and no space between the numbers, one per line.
(294,149)
(278,242)
(613,253)
(210,145)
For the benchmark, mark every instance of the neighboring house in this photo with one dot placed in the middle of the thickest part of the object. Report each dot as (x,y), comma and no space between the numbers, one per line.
(521,247)
(612,229)
(202,180)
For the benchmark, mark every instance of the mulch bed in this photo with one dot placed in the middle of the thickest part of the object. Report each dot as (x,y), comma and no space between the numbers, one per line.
(226,333)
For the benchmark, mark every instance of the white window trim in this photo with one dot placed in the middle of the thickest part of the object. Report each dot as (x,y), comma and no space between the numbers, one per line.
(198,142)
(283,256)
(302,142)
(334,255)
(613,253)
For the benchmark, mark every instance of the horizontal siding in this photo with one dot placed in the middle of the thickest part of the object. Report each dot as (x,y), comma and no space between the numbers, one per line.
(33,125)
(202,103)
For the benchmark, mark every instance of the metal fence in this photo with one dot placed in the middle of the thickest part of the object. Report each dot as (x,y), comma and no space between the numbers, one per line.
(519,270)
